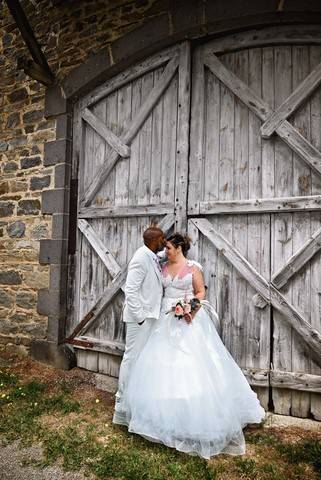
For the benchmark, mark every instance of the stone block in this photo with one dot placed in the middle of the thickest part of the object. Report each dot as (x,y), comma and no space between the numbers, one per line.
(55,103)
(63,126)
(16,229)
(58,277)
(10,277)
(88,75)
(53,251)
(187,16)
(52,302)
(60,225)
(30,162)
(34,116)
(58,151)
(18,95)
(38,183)
(6,209)
(28,207)
(25,299)
(62,175)
(55,201)
(3,146)
(6,299)
(142,41)
(60,356)
(10,167)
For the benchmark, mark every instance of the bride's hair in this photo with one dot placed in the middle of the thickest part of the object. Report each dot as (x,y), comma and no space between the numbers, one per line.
(179,240)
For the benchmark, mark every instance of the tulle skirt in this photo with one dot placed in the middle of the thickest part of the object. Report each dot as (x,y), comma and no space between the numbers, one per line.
(186,391)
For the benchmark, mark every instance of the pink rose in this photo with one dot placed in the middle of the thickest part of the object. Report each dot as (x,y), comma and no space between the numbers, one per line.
(179,312)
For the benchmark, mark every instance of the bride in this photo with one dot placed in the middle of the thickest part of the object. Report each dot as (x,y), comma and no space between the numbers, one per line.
(185,389)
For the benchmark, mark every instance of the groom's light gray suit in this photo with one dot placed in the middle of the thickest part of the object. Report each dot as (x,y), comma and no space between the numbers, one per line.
(143,297)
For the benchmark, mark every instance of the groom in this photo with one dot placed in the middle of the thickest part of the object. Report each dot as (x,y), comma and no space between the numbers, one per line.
(143,296)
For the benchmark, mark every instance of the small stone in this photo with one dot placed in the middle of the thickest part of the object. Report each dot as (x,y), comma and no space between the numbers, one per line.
(18,141)
(18,95)
(30,117)
(3,146)
(13,120)
(40,231)
(28,207)
(35,150)
(29,129)
(29,162)
(10,167)
(7,39)
(6,209)
(38,183)
(10,277)
(6,300)
(4,188)
(25,299)
(16,229)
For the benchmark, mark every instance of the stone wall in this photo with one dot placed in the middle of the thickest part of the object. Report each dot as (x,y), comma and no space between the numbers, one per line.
(68,32)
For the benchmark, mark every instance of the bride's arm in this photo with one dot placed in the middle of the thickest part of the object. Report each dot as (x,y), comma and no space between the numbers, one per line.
(198,284)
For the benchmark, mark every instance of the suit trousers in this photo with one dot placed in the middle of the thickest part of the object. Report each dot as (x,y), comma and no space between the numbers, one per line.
(136,336)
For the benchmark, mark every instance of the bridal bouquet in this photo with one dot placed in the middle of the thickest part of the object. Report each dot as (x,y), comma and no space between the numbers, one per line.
(184,309)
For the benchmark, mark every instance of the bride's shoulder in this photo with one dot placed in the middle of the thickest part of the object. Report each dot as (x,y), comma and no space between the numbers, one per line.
(195,264)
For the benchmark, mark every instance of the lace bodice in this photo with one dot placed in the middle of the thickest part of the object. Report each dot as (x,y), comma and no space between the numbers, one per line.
(181,285)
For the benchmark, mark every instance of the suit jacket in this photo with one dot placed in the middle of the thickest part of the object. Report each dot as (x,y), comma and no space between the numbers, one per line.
(143,287)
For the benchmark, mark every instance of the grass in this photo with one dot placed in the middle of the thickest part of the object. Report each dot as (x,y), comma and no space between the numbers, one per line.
(73,425)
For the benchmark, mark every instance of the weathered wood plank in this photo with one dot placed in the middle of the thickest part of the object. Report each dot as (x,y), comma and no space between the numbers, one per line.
(102,251)
(301,230)
(197,132)
(125,211)
(298,260)
(300,94)
(98,345)
(295,381)
(311,337)
(286,131)
(112,139)
(257,336)
(281,226)
(261,205)
(134,127)
(182,141)
(315,264)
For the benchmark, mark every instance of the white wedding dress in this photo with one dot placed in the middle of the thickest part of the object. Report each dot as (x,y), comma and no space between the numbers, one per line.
(185,389)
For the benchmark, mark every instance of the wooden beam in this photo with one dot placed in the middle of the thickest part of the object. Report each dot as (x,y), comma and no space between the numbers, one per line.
(27,34)
(112,139)
(303,148)
(298,260)
(268,36)
(102,251)
(94,344)
(126,138)
(261,205)
(300,94)
(295,381)
(35,71)
(310,336)
(117,283)
(126,211)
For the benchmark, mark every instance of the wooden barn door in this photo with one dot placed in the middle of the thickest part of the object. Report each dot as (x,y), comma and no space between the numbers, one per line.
(254,210)
(131,146)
